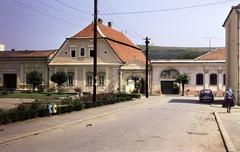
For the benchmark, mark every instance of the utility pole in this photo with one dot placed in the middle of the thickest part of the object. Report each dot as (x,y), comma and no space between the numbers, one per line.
(95,53)
(146,70)
(210,42)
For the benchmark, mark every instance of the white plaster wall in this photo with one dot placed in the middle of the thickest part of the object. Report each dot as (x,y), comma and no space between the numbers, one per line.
(192,69)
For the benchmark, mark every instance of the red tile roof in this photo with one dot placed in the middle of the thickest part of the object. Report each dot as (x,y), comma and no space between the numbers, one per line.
(26,54)
(217,54)
(126,53)
(126,50)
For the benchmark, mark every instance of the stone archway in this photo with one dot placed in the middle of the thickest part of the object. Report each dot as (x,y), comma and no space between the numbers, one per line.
(135,84)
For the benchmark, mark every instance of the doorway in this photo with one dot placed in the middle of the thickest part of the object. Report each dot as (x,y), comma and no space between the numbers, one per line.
(10,81)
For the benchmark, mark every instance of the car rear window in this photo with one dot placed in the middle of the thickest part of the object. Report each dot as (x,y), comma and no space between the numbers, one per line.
(206,91)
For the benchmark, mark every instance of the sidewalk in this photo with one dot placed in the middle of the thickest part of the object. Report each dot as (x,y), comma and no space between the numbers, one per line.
(231,124)
(19,130)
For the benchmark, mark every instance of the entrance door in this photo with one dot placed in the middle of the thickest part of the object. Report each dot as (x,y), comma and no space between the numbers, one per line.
(10,81)
(167,87)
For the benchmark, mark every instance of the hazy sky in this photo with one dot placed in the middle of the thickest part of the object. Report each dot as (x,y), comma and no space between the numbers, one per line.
(44,24)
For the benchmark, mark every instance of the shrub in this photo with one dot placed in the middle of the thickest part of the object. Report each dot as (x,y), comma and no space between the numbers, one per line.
(34,78)
(39,108)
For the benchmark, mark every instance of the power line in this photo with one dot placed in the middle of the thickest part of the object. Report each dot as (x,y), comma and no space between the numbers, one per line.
(124,22)
(168,9)
(48,15)
(107,5)
(74,8)
(60,10)
(78,2)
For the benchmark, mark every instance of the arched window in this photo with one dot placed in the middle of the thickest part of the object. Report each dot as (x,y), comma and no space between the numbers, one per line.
(213,79)
(224,79)
(199,79)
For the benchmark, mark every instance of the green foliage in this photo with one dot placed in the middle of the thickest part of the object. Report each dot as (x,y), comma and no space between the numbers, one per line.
(59,78)
(182,79)
(34,78)
(158,52)
(39,108)
(138,85)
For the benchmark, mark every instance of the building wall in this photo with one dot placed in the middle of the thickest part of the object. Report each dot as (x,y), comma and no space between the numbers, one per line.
(192,69)
(80,74)
(104,52)
(21,68)
(108,63)
(232,48)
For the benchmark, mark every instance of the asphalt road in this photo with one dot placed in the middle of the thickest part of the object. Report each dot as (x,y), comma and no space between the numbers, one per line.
(159,124)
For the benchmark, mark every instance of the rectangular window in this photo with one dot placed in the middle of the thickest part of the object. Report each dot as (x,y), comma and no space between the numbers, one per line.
(82,52)
(101,80)
(91,53)
(73,52)
(70,80)
(89,79)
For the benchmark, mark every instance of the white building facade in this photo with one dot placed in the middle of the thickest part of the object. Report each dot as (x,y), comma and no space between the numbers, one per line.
(205,72)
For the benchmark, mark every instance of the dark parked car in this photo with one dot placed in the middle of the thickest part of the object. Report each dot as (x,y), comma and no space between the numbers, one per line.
(206,95)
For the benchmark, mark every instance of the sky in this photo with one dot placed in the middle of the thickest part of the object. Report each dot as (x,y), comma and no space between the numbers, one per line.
(45,24)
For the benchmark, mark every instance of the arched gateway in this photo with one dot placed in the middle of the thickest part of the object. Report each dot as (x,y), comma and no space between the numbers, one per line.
(167,79)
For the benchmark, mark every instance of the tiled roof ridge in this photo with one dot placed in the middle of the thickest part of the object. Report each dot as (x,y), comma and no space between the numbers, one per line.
(103,31)
(27,53)
(135,47)
(210,52)
(49,50)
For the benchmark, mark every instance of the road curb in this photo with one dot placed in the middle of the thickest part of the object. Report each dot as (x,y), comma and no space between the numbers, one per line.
(33,133)
(226,140)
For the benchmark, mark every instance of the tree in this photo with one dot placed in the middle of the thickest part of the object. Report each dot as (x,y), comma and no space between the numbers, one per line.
(59,78)
(34,78)
(138,85)
(182,79)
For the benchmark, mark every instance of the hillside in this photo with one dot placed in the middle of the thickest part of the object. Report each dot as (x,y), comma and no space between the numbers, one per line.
(158,52)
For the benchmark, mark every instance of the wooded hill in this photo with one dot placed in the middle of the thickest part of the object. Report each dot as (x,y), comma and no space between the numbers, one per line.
(159,52)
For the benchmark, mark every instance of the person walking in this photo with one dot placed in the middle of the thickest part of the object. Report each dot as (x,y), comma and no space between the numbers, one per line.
(229,98)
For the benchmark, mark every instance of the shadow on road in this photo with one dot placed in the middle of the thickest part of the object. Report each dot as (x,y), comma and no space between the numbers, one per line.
(192,101)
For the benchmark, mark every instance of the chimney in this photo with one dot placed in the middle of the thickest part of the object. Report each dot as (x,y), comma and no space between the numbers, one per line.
(2,47)
(110,24)
(100,21)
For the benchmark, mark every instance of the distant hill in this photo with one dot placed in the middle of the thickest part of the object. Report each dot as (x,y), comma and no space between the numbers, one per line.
(159,52)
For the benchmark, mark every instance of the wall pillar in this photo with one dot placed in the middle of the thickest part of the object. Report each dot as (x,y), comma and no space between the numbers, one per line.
(76,77)
(206,79)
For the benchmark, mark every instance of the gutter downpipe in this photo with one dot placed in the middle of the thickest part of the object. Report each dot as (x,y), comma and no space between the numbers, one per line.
(238,56)
(120,78)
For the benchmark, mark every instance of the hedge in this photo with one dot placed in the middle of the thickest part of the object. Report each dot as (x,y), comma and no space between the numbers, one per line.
(39,109)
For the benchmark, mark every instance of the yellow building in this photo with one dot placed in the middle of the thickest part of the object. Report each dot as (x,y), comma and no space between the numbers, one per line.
(231,26)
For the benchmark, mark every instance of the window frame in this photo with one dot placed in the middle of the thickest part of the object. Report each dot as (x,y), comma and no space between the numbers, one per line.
(89,75)
(211,81)
(199,74)
(71,49)
(91,49)
(101,79)
(80,52)
(224,79)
